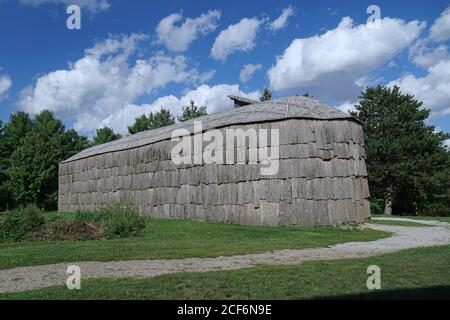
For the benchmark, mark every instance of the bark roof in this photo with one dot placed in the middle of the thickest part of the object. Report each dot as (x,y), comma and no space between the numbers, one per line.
(295,107)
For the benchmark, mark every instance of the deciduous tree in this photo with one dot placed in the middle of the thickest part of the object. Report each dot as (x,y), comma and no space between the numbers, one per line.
(34,164)
(12,136)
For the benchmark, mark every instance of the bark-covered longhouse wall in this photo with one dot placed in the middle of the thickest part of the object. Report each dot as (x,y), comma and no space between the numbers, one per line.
(322,180)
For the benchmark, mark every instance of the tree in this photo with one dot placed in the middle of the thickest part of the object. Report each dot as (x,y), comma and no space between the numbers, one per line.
(407,161)
(34,164)
(141,123)
(3,175)
(72,143)
(155,120)
(191,112)
(12,136)
(16,129)
(105,135)
(267,95)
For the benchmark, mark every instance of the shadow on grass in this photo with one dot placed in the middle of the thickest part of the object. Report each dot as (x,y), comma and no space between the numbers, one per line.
(430,293)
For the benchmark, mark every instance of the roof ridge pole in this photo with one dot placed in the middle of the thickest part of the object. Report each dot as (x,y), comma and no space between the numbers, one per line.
(310,111)
(271,108)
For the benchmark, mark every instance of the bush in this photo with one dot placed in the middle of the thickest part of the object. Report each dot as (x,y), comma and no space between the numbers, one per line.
(112,222)
(120,221)
(377,206)
(16,224)
(437,209)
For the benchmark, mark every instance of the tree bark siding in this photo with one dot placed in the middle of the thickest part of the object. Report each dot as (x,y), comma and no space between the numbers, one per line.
(321,181)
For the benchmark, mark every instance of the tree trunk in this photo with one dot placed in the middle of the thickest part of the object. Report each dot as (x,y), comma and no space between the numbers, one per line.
(388,201)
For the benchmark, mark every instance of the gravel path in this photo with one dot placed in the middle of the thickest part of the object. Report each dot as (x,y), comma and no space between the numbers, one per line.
(29,278)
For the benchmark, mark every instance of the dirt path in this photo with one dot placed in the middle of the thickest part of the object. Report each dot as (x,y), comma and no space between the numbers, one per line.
(29,278)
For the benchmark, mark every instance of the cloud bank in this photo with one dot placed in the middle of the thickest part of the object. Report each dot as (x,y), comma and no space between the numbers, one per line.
(335,60)
(105,80)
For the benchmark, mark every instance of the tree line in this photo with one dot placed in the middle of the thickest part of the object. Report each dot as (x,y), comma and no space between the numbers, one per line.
(408,163)
(32,148)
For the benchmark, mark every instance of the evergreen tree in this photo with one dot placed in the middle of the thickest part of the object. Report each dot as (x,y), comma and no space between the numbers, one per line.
(105,135)
(155,120)
(162,118)
(34,164)
(191,112)
(267,95)
(408,164)
(141,123)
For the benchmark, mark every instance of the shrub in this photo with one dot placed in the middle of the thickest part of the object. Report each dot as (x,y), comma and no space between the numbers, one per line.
(28,223)
(16,224)
(437,209)
(120,221)
(377,206)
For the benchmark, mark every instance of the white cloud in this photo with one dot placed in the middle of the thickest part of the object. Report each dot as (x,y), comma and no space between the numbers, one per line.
(237,37)
(125,116)
(433,89)
(213,97)
(330,63)
(282,21)
(104,81)
(347,106)
(247,72)
(114,44)
(426,52)
(440,30)
(91,5)
(332,12)
(447,143)
(178,38)
(5,85)
(392,64)
(425,57)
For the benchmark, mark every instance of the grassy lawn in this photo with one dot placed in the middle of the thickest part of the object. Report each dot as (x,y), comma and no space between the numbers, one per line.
(418,273)
(398,223)
(443,219)
(175,239)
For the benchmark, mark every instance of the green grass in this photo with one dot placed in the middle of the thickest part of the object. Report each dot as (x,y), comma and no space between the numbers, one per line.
(443,219)
(175,239)
(398,223)
(418,273)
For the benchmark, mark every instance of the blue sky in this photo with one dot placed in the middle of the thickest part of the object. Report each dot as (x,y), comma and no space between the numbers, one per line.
(133,57)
